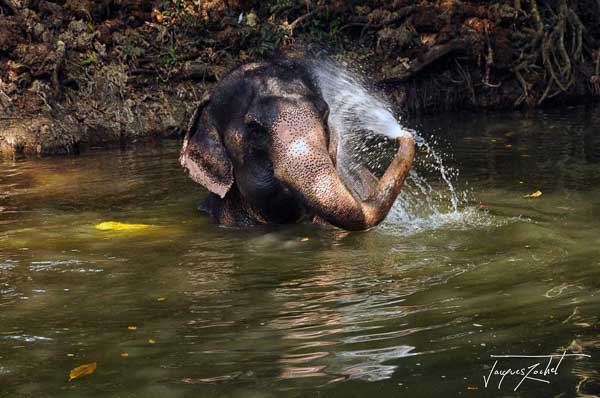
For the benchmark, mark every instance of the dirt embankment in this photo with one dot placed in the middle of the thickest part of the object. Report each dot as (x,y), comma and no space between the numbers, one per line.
(79,73)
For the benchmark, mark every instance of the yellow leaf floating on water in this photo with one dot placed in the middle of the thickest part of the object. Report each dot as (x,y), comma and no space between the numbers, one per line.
(83,370)
(119,226)
(304,239)
(152,341)
(161,299)
(536,194)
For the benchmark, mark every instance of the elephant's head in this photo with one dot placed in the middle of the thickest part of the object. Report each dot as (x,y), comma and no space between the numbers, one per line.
(265,130)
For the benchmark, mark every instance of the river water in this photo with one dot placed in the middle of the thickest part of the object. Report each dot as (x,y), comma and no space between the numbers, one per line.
(416,307)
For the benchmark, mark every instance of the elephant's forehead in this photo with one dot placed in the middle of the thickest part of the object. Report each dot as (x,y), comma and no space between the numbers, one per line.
(293,89)
(298,116)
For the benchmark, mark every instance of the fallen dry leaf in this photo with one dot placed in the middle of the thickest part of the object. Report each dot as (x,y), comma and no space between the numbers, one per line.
(83,370)
(536,194)
(132,327)
(158,15)
(304,239)
(124,354)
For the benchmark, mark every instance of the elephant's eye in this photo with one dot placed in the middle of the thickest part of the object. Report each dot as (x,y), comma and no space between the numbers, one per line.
(255,130)
(252,125)
(257,136)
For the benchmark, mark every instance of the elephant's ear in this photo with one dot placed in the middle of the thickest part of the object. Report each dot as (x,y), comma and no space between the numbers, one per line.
(204,155)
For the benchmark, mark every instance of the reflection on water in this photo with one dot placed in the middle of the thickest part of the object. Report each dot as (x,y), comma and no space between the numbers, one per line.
(415,307)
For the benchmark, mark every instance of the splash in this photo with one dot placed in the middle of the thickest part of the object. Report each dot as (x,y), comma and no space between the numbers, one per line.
(366,124)
(432,203)
(352,106)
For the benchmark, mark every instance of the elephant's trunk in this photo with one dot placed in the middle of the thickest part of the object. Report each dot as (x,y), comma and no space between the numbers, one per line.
(301,161)
(383,197)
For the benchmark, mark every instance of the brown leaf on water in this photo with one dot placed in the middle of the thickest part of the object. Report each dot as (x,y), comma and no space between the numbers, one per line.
(124,354)
(472,388)
(132,327)
(536,194)
(83,370)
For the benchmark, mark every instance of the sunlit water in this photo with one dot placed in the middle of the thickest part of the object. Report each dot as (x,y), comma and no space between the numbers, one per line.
(415,307)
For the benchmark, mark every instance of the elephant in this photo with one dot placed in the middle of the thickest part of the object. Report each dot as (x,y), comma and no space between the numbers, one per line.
(262,144)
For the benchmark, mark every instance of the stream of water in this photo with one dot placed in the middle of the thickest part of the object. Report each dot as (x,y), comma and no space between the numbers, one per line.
(457,273)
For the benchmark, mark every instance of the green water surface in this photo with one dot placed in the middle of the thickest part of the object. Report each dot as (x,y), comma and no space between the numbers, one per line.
(414,308)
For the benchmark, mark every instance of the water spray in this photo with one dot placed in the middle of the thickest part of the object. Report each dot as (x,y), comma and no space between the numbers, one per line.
(357,112)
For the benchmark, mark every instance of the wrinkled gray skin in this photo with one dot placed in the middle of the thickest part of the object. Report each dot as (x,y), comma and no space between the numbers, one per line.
(260,142)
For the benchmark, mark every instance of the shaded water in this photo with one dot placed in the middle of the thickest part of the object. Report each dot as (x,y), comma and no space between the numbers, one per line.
(415,307)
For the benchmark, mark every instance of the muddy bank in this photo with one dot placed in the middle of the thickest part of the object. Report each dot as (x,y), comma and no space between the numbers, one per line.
(77,73)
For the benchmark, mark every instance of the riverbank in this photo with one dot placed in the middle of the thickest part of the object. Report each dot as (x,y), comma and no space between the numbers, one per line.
(79,73)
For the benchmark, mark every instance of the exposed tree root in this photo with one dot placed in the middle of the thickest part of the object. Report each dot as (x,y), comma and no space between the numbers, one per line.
(545,49)
(595,79)
(536,17)
(418,64)
(398,16)
(58,67)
